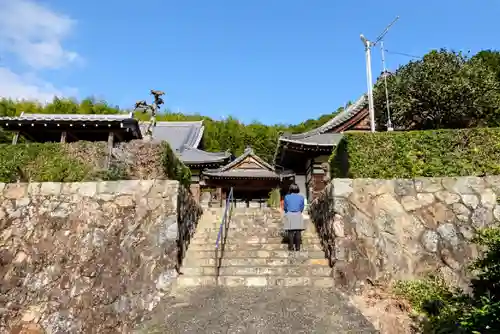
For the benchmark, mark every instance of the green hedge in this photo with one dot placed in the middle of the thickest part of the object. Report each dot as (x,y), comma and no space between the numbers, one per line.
(85,161)
(433,153)
(39,162)
(173,167)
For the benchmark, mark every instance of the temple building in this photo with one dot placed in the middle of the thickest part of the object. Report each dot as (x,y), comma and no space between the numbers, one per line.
(307,153)
(251,178)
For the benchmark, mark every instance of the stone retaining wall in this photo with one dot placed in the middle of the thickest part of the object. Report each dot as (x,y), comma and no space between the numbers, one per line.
(381,230)
(90,257)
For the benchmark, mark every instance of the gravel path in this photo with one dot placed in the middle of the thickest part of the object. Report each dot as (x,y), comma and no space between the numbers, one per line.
(258,310)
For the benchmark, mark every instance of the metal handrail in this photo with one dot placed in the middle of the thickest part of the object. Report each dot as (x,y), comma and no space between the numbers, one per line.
(221,236)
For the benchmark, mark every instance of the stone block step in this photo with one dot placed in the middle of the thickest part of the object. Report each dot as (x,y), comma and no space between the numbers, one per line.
(306,269)
(231,254)
(246,246)
(245,225)
(255,261)
(239,229)
(253,240)
(321,282)
(244,235)
(250,220)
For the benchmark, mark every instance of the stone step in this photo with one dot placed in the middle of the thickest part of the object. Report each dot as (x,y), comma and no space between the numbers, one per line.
(250,225)
(208,229)
(231,254)
(246,246)
(246,235)
(247,224)
(255,261)
(307,269)
(247,219)
(254,240)
(322,282)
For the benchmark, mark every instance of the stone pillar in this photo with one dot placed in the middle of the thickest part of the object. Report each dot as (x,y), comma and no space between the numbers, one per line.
(63,136)
(216,198)
(195,191)
(15,138)
(319,175)
(205,198)
(111,140)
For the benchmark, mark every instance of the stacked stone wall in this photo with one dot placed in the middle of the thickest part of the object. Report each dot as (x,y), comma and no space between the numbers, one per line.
(92,257)
(382,230)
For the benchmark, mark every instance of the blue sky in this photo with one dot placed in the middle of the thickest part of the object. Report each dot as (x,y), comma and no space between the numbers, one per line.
(266,60)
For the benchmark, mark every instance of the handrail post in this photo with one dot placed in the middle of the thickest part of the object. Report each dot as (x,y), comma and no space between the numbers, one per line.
(221,236)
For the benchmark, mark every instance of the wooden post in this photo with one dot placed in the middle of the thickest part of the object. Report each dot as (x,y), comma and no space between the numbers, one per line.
(63,136)
(16,138)
(110,148)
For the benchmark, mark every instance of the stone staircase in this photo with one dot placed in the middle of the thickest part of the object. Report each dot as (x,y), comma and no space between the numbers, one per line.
(254,254)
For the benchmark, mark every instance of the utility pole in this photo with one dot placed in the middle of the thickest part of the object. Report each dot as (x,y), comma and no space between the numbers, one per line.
(368,45)
(389,122)
(369,81)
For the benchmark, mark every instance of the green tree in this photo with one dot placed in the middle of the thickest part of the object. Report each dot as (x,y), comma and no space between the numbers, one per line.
(442,90)
(490,58)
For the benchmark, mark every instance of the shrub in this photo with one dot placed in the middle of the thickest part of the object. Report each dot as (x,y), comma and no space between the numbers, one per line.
(173,167)
(40,163)
(273,201)
(86,161)
(432,153)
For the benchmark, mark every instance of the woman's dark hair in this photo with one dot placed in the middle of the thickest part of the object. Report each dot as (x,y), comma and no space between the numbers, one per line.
(294,189)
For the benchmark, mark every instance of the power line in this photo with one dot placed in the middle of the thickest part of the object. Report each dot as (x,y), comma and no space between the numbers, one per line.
(386,30)
(403,54)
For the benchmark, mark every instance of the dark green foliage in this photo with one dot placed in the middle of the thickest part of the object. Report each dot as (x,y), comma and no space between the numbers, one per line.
(452,311)
(173,167)
(490,58)
(441,91)
(431,153)
(116,171)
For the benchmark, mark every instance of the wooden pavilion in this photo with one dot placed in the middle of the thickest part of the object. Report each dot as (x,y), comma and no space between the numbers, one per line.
(72,127)
(251,178)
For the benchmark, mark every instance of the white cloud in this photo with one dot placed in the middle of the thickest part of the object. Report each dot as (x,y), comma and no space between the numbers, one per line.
(34,35)
(28,87)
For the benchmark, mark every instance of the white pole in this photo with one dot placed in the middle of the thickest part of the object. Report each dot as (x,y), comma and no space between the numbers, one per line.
(369,80)
(389,123)
(370,84)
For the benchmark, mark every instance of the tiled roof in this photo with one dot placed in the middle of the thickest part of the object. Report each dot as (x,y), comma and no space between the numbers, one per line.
(247,153)
(247,173)
(322,139)
(71,117)
(267,172)
(177,134)
(191,155)
(316,136)
(184,138)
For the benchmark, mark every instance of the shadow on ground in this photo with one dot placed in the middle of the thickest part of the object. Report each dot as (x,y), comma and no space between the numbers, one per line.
(257,310)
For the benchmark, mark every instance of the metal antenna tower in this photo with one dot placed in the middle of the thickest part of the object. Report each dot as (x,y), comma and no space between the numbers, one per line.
(368,45)
(384,74)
